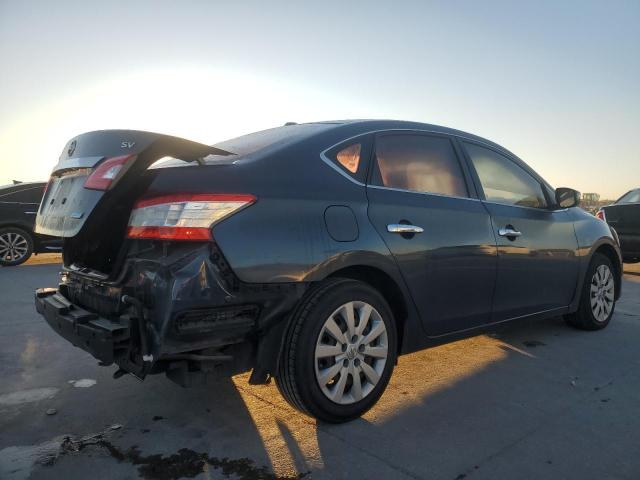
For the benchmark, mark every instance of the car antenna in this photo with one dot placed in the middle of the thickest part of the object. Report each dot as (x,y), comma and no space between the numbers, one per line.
(290,123)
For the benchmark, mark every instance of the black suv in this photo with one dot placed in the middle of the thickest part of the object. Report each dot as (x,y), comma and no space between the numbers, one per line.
(624,216)
(18,208)
(313,253)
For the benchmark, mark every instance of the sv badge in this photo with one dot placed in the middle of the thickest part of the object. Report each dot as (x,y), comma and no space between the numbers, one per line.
(127,144)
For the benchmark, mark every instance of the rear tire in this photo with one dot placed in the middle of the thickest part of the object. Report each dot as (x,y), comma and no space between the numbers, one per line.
(16,246)
(339,351)
(597,299)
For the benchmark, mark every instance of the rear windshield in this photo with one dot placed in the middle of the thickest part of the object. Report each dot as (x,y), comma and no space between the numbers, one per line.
(252,142)
(631,197)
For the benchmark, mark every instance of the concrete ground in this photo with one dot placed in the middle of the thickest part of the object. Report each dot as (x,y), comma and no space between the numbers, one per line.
(44,259)
(633,269)
(535,401)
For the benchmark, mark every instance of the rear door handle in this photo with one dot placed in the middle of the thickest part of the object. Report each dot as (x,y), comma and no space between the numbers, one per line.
(509,231)
(403,228)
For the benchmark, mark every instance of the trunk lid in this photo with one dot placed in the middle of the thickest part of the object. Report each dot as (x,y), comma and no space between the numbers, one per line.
(68,207)
(93,221)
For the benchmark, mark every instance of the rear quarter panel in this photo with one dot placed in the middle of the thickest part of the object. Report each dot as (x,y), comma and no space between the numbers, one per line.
(19,214)
(283,237)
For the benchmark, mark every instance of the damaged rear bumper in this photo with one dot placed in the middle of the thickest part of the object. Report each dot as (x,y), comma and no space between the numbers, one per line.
(182,313)
(105,339)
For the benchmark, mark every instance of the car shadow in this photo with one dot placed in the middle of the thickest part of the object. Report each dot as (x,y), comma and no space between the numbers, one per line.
(447,410)
(450,410)
(447,413)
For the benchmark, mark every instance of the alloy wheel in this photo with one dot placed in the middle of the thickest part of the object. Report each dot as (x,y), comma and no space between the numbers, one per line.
(602,293)
(13,247)
(351,352)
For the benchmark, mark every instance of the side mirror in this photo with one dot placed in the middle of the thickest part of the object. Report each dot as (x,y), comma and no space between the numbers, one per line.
(567,197)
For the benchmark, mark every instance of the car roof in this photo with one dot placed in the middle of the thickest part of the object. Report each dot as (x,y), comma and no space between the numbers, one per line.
(293,132)
(633,190)
(290,133)
(370,125)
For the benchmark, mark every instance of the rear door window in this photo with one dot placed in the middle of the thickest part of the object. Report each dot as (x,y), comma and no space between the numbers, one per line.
(418,163)
(503,181)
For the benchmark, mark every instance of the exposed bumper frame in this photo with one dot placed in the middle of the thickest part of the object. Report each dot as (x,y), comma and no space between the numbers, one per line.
(105,339)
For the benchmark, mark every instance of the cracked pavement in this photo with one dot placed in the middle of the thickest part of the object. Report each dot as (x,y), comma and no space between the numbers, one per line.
(534,400)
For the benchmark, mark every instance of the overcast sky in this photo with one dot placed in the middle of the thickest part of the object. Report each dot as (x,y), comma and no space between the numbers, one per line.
(558,83)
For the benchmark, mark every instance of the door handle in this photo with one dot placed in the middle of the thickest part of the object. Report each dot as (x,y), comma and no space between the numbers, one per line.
(509,231)
(403,228)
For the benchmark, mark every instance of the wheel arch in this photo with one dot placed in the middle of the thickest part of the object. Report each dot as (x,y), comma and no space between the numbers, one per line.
(378,269)
(387,287)
(26,228)
(21,226)
(388,282)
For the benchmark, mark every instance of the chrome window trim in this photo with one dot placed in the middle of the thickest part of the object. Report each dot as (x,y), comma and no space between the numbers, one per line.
(380,187)
(331,163)
(411,130)
(528,208)
(76,162)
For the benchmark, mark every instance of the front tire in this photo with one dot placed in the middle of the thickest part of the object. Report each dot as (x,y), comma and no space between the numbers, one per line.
(16,246)
(339,351)
(597,300)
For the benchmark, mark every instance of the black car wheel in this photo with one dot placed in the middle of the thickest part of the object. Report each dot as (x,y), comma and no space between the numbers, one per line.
(597,301)
(16,246)
(339,351)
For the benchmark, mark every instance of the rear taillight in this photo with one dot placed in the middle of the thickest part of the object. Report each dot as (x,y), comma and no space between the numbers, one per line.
(601,215)
(183,216)
(106,173)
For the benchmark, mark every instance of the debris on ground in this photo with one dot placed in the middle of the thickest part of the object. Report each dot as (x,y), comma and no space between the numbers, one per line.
(83,383)
(27,396)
